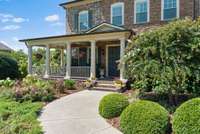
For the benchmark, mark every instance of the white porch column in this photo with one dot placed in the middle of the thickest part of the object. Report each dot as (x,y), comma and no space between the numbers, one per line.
(47,62)
(30,60)
(93,60)
(122,49)
(62,58)
(68,66)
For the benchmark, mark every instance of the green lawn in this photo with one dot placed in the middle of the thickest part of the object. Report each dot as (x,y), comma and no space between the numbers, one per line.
(19,118)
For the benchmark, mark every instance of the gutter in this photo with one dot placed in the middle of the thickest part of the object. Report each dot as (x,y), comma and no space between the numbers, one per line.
(71,2)
(73,35)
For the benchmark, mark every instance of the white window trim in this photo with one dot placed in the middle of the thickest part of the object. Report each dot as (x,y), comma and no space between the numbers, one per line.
(177,10)
(148,11)
(114,5)
(80,13)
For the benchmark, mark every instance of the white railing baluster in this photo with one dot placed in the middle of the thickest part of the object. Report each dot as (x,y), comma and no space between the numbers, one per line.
(80,71)
(76,71)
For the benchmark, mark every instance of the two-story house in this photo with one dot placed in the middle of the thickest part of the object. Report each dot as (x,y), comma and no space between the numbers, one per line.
(98,31)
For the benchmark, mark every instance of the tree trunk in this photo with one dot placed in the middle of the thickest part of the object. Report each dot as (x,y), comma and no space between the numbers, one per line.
(171,99)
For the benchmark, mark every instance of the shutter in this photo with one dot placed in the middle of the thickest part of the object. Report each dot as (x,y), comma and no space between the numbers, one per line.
(75,21)
(90,21)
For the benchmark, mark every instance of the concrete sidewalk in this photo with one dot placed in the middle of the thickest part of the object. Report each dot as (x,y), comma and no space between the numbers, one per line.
(76,114)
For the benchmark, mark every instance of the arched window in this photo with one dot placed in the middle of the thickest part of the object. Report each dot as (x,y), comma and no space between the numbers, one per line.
(117,14)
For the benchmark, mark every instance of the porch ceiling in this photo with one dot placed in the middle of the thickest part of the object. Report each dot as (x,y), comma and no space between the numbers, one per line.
(61,41)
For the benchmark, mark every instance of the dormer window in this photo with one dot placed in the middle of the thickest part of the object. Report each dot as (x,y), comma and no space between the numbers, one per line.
(170,9)
(141,11)
(117,14)
(83,21)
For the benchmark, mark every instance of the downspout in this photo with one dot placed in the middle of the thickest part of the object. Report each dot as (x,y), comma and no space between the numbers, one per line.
(194,9)
(131,34)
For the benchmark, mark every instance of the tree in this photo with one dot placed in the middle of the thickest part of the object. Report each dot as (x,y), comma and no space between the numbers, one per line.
(167,59)
(22,60)
(8,68)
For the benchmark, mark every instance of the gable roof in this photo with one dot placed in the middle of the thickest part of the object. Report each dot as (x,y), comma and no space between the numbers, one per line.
(105,27)
(4,47)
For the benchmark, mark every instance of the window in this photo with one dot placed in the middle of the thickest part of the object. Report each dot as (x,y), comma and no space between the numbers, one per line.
(141,11)
(170,9)
(80,56)
(83,21)
(117,14)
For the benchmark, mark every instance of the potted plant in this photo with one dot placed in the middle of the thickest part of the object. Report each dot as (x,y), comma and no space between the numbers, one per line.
(102,70)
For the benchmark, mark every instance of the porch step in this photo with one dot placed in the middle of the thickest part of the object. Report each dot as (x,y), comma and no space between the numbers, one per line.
(106,89)
(105,82)
(105,85)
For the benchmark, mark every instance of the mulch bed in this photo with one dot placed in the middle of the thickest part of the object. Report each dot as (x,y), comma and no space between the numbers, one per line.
(115,122)
(66,93)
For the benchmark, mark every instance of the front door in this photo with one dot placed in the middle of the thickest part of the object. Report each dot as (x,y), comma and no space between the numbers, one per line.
(113,58)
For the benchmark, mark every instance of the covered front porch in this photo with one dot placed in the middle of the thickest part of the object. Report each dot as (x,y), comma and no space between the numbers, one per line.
(94,54)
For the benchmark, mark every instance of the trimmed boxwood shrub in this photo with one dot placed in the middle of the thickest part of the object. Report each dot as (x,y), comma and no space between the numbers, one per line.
(144,117)
(112,105)
(187,118)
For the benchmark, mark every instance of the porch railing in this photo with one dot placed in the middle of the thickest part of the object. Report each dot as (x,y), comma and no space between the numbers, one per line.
(76,71)
(80,71)
(58,71)
(39,70)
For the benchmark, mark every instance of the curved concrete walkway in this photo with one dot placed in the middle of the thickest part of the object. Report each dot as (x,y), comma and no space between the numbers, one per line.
(76,114)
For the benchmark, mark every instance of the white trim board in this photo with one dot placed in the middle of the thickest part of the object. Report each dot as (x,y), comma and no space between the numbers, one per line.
(105,24)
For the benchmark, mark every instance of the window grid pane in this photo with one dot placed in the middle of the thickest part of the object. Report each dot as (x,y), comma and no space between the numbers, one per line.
(117,20)
(170,13)
(168,4)
(141,7)
(117,11)
(141,17)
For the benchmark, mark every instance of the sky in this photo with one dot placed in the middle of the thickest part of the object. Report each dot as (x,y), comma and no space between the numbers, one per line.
(21,19)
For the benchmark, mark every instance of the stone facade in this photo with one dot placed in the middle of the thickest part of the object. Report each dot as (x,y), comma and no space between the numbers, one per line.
(101,13)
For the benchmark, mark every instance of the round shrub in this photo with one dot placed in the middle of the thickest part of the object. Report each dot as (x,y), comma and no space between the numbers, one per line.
(112,105)
(144,117)
(186,119)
